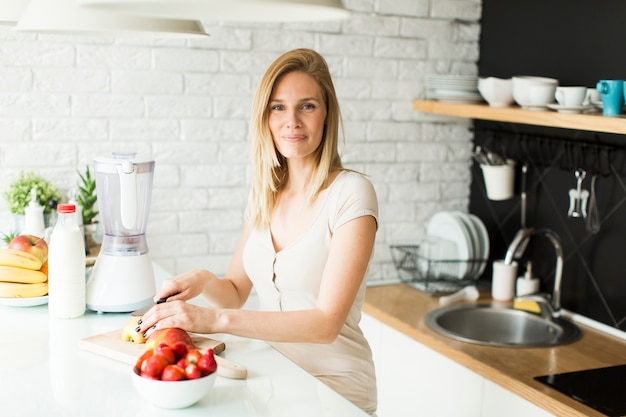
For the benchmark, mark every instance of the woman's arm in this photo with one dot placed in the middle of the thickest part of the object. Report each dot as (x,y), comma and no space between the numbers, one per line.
(229,292)
(350,251)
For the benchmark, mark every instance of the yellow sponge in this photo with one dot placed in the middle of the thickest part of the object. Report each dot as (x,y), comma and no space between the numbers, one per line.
(527,305)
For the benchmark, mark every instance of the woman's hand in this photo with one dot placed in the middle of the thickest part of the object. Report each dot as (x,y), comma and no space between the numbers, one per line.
(184,286)
(189,317)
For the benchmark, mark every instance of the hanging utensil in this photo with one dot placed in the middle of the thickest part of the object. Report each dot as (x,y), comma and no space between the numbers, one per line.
(578,197)
(523,196)
(494,158)
(524,243)
(480,156)
(593,219)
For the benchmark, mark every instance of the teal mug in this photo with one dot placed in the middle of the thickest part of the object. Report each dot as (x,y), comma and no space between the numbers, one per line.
(612,94)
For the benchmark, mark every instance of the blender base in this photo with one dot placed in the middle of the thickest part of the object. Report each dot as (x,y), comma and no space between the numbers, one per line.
(120,284)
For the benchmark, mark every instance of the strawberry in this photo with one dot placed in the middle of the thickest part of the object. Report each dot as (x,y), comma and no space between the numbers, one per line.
(180,349)
(193,355)
(140,362)
(207,363)
(153,366)
(167,352)
(192,371)
(173,373)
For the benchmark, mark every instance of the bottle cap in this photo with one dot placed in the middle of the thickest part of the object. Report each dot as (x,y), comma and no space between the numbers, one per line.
(66,208)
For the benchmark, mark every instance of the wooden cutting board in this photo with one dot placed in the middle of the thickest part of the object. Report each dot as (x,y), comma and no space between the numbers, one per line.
(112,346)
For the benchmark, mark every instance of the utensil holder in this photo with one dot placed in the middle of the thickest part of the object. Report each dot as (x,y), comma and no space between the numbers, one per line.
(499,180)
(503,280)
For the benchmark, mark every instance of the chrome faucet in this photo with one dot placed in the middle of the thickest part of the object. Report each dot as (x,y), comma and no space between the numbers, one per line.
(516,250)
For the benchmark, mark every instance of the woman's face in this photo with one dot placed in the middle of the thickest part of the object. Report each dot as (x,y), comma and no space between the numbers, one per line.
(297,115)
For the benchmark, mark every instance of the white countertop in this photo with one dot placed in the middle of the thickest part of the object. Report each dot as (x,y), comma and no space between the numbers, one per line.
(43,372)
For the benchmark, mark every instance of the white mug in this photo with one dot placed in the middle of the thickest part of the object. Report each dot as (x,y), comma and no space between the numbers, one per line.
(571,96)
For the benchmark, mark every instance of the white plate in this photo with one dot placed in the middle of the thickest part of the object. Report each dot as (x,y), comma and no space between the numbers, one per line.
(475,242)
(570,109)
(456,80)
(24,302)
(446,226)
(454,93)
(483,236)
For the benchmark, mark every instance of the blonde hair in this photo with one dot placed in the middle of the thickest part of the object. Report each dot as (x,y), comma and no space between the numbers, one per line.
(269,167)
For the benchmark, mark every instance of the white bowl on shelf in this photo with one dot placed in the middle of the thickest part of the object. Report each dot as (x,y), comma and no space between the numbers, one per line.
(534,92)
(498,92)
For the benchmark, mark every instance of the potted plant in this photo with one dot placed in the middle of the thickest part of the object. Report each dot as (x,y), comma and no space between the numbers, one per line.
(18,196)
(87,196)
(87,199)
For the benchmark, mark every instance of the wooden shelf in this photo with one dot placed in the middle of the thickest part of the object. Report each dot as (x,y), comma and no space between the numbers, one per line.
(549,118)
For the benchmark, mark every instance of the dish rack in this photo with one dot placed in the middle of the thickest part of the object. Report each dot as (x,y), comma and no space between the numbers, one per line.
(435,275)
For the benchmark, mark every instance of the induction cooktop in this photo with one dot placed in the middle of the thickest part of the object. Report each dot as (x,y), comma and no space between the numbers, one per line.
(601,389)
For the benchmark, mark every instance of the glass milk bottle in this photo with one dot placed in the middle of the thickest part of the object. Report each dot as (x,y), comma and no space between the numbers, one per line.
(66,266)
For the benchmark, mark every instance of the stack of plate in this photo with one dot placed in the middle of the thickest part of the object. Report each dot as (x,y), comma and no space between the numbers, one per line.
(453,88)
(466,247)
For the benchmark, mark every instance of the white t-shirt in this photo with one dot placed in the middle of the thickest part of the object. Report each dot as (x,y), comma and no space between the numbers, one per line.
(346,364)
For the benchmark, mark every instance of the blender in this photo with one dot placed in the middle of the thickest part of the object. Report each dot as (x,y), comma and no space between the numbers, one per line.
(122,278)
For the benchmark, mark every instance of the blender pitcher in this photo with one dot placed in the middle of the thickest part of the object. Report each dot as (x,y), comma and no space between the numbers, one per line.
(122,278)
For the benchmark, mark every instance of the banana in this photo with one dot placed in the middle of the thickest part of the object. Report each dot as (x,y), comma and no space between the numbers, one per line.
(20,259)
(21,275)
(16,290)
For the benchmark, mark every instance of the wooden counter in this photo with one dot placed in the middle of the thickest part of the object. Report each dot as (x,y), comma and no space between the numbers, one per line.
(404,309)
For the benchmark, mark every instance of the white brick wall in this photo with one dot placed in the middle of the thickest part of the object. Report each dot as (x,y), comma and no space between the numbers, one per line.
(66,100)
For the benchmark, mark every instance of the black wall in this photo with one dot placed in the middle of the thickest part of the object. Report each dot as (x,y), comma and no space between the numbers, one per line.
(577,42)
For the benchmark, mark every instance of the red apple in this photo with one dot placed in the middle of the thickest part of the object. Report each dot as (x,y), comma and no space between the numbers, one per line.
(129,332)
(31,244)
(168,336)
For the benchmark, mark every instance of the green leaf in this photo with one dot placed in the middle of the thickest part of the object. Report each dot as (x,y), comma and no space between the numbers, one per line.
(87,195)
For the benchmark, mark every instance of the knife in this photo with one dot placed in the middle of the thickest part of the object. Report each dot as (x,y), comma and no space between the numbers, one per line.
(144,310)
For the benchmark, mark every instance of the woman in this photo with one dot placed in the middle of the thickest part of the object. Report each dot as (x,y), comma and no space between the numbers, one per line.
(306,244)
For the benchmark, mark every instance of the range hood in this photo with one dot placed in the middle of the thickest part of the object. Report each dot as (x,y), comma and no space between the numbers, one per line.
(65,17)
(228,10)
(11,10)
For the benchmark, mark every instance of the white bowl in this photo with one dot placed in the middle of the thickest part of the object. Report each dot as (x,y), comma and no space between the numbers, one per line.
(173,394)
(498,92)
(541,94)
(530,91)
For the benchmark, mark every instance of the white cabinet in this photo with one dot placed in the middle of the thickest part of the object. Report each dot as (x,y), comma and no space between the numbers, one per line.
(498,402)
(414,380)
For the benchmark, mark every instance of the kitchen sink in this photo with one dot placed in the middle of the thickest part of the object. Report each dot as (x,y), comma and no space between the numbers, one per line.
(498,325)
